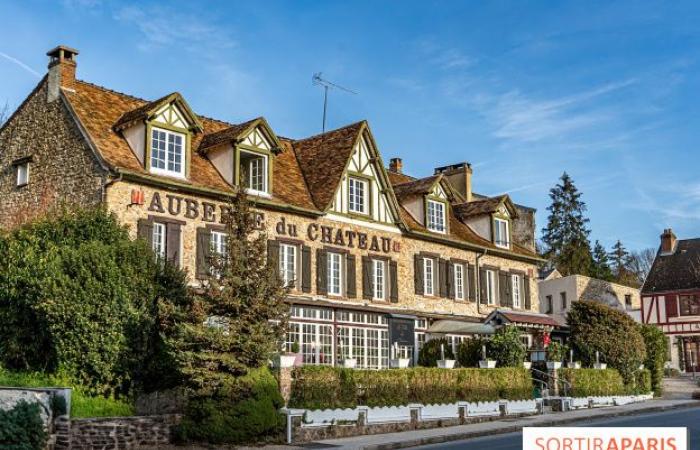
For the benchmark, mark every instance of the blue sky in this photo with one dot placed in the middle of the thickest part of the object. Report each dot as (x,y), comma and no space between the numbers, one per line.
(607,91)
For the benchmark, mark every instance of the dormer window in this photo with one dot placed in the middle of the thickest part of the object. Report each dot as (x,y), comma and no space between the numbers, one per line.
(501,236)
(167,152)
(358,192)
(436,216)
(254,172)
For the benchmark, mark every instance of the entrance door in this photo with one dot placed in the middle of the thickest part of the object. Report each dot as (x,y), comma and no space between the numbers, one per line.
(692,354)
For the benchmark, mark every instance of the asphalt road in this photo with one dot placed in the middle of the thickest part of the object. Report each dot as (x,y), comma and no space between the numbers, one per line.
(689,418)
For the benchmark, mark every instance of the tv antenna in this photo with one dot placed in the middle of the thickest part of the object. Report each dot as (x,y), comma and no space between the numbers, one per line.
(317,80)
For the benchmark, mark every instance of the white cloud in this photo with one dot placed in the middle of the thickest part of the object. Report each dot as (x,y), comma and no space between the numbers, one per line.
(20,64)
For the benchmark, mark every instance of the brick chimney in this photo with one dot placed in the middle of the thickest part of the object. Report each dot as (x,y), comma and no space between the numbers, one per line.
(396,165)
(668,241)
(61,70)
(460,176)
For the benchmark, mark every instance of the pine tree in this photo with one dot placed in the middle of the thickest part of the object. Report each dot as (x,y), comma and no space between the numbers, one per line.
(621,262)
(601,263)
(566,234)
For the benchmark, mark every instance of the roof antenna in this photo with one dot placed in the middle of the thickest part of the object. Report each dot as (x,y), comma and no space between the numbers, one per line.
(316,80)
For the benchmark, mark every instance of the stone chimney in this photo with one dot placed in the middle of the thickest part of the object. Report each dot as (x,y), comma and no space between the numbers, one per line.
(668,241)
(396,165)
(460,176)
(61,70)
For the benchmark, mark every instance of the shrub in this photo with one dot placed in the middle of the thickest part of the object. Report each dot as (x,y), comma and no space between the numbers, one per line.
(331,387)
(505,347)
(555,352)
(430,353)
(597,327)
(242,410)
(656,348)
(469,352)
(593,382)
(642,382)
(672,372)
(21,428)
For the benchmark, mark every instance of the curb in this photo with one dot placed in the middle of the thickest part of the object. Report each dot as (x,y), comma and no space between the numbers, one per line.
(513,428)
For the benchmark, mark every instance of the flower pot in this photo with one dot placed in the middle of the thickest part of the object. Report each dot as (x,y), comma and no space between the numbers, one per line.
(446,363)
(487,364)
(551,365)
(527,365)
(600,366)
(400,363)
(286,360)
(349,363)
(573,365)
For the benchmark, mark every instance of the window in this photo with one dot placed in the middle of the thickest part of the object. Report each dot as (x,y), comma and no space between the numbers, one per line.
(490,287)
(526,340)
(288,264)
(515,279)
(253,172)
(436,216)
(159,239)
(548,305)
(628,300)
(459,281)
(428,276)
(689,305)
(501,238)
(315,342)
(218,243)
(368,346)
(22,174)
(357,195)
(562,296)
(379,279)
(167,152)
(335,277)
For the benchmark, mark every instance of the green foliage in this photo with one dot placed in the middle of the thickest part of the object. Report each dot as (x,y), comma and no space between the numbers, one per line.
(642,383)
(77,297)
(431,352)
(21,428)
(601,263)
(241,410)
(672,372)
(597,327)
(593,382)
(505,347)
(58,405)
(320,387)
(555,352)
(656,348)
(469,352)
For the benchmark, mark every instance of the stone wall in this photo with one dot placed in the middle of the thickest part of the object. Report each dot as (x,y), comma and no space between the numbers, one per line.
(121,432)
(9,397)
(63,168)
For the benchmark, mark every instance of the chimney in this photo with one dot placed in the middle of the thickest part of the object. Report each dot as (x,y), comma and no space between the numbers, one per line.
(668,241)
(460,176)
(61,70)
(396,165)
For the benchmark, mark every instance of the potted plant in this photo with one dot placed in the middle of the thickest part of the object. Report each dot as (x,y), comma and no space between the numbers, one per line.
(571,364)
(348,363)
(555,353)
(445,363)
(599,365)
(527,364)
(485,362)
(399,361)
(289,359)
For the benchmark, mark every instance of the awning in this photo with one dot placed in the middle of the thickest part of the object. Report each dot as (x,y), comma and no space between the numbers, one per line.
(458,327)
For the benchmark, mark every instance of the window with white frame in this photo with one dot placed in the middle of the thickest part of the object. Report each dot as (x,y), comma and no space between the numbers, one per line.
(254,172)
(368,346)
(167,152)
(428,276)
(358,190)
(491,287)
(379,279)
(516,288)
(335,274)
(501,236)
(315,341)
(288,264)
(158,239)
(436,216)
(459,281)
(218,243)
(22,174)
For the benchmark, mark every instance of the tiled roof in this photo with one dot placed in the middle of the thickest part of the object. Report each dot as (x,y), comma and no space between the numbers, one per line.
(529,318)
(398,178)
(225,135)
(421,186)
(478,207)
(677,271)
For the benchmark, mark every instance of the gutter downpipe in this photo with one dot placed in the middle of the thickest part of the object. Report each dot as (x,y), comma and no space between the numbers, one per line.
(108,182)
(478,281)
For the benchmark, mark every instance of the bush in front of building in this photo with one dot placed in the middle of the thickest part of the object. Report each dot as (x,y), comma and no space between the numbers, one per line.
(642,383)
(612,333)
(322,387)
(506,348)
(593,382)
(21,427)
(655,343)
(469,352)
(431,352)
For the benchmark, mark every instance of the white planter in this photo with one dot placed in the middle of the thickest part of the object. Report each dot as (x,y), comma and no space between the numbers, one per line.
(286,360)
(446,363)
(600,366)
(400,363)
(551,365)
(349,363)
(573,365)
(527,365)
(487,364)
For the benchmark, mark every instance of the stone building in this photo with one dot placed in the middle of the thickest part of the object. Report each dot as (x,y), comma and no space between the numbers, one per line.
(374,256)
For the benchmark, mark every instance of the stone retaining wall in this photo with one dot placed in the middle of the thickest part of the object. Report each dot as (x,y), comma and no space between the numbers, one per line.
(117,433)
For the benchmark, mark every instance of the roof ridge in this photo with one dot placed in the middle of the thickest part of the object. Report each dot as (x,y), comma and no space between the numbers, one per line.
(330,131)
(415,180)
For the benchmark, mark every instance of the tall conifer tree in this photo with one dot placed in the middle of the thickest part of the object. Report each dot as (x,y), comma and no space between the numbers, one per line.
(621,265)
(601,263)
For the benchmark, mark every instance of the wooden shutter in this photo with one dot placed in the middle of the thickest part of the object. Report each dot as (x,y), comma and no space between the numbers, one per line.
(502,289)
(394,282)
(273,255)
(482,287)
(471,282)
(451,279)
(305,268)
(442,277)
(418,274)
(203,259)
(671,306)
(144,230)
(172,242)
(367,278)
(321,272)
(526,283)
(350,277)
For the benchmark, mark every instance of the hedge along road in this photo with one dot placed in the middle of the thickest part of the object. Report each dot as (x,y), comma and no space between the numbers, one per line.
(689,418)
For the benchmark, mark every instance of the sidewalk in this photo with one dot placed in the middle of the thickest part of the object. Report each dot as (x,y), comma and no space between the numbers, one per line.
(438,435)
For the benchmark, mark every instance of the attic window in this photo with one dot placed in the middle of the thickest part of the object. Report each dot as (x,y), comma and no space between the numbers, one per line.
(501,236)
(254,173)
(436,216)
(357,193)
(167,152)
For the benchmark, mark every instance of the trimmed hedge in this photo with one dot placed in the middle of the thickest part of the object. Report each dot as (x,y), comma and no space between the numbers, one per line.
(655,342)
(318,387)
(21,428)
(594,382)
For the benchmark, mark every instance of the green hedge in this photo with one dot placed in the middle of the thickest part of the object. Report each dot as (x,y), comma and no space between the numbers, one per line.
(21,428)
(656,346)
(318,387)
(593,382)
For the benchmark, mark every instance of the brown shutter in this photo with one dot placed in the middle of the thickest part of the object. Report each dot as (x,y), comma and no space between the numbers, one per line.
(306,268)
(526,283)
(202,262)
(451,279)
(471,282)
(350,272)
(367,278)
(442,277)
(321,272)
(671,306)
(482,287)
(273,255)
(172,243)
(502,289)
(394,282)
(144,230)
(418,274)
